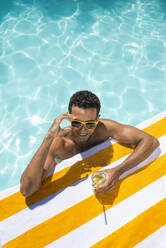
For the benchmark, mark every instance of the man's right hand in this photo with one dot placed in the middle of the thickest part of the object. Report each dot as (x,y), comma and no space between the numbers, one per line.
(55,127)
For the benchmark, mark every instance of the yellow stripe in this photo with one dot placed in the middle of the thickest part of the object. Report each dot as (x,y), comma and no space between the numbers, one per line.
(74,173)
(138,229)
(84,211)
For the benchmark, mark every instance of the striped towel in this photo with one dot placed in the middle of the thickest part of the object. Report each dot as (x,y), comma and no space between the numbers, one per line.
(66,213)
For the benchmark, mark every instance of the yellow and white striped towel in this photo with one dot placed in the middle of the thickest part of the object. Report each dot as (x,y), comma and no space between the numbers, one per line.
(66,213)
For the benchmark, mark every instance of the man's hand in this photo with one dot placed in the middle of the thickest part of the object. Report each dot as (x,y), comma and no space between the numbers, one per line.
(112,176)
(55,127)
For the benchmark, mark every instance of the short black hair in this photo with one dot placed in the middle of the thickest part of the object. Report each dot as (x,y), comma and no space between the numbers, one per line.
(84,99)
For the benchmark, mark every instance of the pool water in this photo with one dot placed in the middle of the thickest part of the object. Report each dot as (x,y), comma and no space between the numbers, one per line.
(50,49)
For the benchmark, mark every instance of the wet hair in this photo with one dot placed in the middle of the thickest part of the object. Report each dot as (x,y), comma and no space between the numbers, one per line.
(84,99)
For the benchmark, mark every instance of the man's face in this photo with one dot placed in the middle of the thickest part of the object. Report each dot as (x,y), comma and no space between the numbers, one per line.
(80,114)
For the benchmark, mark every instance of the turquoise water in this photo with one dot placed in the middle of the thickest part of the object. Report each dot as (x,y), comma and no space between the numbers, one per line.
(50,49)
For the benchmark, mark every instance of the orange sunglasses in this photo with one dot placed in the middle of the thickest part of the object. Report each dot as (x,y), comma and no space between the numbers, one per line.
(87,124)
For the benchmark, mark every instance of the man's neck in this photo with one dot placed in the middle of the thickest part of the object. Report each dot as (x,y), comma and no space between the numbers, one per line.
(80,144)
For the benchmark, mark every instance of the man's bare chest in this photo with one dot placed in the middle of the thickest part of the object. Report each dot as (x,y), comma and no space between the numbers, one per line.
(70,149)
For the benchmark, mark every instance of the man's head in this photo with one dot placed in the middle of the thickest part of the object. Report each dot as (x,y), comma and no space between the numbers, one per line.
(85,106)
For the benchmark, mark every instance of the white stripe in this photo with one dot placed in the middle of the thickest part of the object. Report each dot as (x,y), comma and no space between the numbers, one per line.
(117,216)
(152,120)
(156,239)
(28,218)
(68,162)
(7,192)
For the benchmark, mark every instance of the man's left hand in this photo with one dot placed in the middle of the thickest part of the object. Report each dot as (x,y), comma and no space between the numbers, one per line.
(112,176)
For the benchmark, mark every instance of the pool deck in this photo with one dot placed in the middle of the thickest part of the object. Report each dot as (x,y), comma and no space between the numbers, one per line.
(66,213)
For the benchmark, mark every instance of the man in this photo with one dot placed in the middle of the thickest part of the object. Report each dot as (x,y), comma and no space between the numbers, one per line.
(86,130)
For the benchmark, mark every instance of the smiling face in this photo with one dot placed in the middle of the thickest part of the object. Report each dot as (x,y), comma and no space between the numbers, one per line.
(81,114)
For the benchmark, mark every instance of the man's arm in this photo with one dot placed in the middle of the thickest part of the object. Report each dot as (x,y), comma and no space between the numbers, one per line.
(144,143)
(55,147)
(33,175)
(35,172)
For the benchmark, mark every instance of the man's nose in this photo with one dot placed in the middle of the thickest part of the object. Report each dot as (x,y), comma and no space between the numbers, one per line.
(83,127)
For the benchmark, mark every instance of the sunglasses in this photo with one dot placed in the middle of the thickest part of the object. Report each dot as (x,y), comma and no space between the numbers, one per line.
(87,124)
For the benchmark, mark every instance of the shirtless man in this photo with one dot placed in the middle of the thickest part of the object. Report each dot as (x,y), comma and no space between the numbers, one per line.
(86,130)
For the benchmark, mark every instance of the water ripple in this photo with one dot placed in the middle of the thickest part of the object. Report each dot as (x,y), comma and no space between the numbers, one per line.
(50,49)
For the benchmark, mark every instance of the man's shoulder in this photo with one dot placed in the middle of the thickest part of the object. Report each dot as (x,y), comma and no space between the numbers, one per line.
(109,123)
(65,132)
(110,126)
(62,137)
